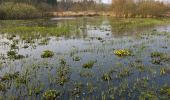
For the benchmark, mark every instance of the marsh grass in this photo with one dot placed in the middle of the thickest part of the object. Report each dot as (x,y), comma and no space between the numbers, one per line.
(68,76)
(47,54)
(88,64)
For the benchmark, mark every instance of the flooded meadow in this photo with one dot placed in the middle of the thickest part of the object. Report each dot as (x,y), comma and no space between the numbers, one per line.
(86,58)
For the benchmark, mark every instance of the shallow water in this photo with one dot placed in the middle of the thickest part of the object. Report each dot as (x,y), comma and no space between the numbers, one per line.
(90,39)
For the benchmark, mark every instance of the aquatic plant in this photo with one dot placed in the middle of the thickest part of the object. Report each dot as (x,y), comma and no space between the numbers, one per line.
(165,90)
(9,76)
(158,57)
(88,64)
(26,46)
(77,89)
(63,73)
(124,73)
(47,54)
(149,95)
(99,38)
(14,55)
(85,73)
(2,86)
(157,54)
(156,61)
(106,77)
(122,52)
(51,94)
(162,71)
(76,58)
(91,88)
(44,41)
(11,53)
(14,46)
(21,80)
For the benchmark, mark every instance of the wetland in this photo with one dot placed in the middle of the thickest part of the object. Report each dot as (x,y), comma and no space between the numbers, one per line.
(85,58)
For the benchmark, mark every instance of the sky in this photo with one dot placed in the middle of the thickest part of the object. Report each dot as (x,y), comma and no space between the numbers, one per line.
(109,1)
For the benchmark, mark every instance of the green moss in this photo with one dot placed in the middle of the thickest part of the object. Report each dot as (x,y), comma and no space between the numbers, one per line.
(47,54)
(51,95)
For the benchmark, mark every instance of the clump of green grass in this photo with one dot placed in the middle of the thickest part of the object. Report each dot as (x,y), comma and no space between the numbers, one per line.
(165,90)
(47,54)
(106,77)
(14,55)
(44,41)
(157,54)
(77,89)
(14,46)
(148,96)
(26,46)
(88,64)
(76,58)
(2,86)
(122,52)
(9,76)
(51,95)
(63,73)
(158,57)
(11,53)
(124,73)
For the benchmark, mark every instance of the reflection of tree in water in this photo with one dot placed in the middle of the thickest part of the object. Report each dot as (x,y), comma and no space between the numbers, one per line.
(119,31)
(84,28)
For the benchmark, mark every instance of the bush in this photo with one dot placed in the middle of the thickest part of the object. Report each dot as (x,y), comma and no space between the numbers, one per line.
(10,10)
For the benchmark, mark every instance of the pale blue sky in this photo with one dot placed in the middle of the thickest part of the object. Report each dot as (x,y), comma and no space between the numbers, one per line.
(107,1)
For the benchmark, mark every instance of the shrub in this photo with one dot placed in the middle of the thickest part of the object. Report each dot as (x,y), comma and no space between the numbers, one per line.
(10,10)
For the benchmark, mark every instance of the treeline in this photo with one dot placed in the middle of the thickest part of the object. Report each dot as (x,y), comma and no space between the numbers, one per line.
(139,8)
(60,5)
(23,9)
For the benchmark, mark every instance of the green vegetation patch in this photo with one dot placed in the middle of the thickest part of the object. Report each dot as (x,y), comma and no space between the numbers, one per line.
(51,95)
(33,31)
(47,54)
(14,55)
(122,52)
(88,64)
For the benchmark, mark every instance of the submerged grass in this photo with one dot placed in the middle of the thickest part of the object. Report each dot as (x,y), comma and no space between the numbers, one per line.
(131,23)
(57,31)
